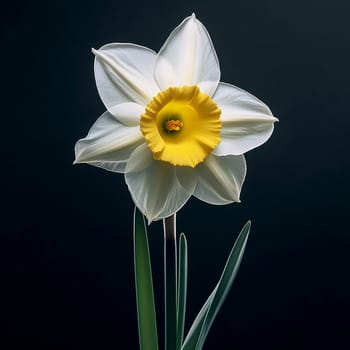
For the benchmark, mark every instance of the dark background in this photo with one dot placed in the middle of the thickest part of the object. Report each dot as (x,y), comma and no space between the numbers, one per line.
(66,240)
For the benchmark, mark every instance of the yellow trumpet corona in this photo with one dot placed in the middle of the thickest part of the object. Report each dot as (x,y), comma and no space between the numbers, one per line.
(181,125)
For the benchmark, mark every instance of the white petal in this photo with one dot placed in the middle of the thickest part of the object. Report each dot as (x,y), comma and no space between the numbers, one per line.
(124,73)
(108,144)
(186,177)
(220,179)
(246,121)
(188,57)
(128,113)
(115,167)
(154,185)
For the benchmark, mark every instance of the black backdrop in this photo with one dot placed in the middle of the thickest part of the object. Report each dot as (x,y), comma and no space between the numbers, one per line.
(66,250)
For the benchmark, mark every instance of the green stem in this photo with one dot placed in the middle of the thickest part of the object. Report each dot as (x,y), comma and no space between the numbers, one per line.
(181,289)
(170,279)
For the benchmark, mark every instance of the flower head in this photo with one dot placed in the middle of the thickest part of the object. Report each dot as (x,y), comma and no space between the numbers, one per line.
(171,126)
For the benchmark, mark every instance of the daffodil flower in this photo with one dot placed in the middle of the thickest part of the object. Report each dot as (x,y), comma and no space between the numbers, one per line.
(171,126)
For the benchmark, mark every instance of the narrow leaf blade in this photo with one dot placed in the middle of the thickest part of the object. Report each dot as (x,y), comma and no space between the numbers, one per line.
(182,289)
(146,315)
(191,339)
(225,283)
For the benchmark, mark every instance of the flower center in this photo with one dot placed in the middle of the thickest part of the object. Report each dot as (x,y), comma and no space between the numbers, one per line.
(173,125)
(181,125)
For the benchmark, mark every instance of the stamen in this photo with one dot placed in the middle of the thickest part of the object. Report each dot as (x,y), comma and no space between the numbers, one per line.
(173,125)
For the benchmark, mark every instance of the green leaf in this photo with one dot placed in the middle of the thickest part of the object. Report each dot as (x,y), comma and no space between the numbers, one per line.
(193,334)
(201,326)
(225,283)
(182,289)
(146,315)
